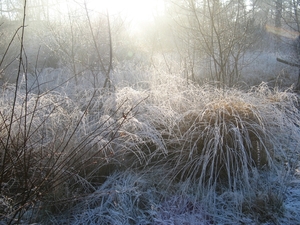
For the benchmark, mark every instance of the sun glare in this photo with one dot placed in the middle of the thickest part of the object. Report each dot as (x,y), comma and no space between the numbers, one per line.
(136,10)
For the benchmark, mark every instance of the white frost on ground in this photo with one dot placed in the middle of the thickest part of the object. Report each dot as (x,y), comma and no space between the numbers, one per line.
(292,201)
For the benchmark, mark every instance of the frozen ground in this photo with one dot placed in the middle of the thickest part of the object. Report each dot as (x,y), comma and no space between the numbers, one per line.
(292,201)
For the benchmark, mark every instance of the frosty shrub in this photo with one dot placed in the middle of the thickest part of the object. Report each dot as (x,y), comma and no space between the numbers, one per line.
(225,136)
(224,139)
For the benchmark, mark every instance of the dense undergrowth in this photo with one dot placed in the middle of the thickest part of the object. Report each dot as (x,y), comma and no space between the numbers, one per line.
(168,154)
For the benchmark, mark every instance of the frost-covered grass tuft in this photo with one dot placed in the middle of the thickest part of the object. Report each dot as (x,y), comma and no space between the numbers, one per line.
(124,198)
(222,138)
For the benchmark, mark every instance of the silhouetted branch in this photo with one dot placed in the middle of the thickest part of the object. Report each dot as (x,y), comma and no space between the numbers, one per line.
(288,63)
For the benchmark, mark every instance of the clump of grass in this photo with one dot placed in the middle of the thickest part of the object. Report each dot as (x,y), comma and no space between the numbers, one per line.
(139,141)
(53,151)
(219,138)
(224,140)
(124,198)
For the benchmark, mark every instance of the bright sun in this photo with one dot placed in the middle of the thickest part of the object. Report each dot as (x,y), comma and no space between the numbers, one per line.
(137,10)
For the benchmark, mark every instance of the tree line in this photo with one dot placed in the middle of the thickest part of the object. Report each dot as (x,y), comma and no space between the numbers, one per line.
(212,34)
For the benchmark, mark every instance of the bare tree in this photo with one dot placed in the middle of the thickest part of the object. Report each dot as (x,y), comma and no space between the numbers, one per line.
(105,71)
(218,31)
(289,13)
